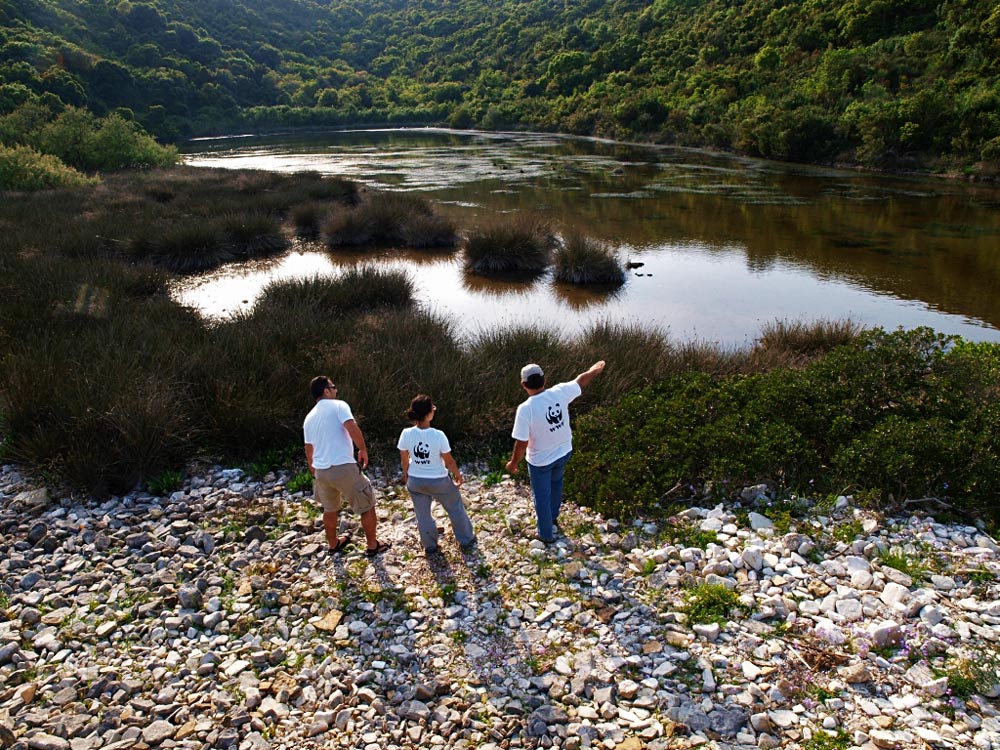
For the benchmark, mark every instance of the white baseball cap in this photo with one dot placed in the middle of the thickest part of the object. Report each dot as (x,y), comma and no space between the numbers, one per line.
(528,370)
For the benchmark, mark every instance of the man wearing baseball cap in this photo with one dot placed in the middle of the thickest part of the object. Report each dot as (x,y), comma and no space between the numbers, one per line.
(542,433)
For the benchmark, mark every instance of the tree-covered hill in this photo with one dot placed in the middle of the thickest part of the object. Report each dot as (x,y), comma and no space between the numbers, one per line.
(878,82)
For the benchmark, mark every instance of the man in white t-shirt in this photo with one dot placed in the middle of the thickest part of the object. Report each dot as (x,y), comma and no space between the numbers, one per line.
(330,437)
(542,433)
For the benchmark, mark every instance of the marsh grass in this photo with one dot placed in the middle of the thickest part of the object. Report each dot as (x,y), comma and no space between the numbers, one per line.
(307,218)
(359,289)
(385,218)
(806,338)
(429,232)
(187,248)
(585,260)
(518,247)
(639,356)
(253,234)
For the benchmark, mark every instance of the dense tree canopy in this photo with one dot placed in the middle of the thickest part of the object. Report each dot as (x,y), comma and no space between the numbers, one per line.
(880,82)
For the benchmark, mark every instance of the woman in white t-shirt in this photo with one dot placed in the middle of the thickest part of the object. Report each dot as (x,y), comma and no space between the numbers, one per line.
(426,457)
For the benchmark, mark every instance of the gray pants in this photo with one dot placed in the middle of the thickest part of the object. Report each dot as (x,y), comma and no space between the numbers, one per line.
(422,491)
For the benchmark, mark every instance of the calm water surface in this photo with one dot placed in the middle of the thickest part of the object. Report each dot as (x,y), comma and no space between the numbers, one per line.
(727,244)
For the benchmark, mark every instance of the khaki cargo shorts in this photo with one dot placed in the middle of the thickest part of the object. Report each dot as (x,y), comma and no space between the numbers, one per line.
(335,483)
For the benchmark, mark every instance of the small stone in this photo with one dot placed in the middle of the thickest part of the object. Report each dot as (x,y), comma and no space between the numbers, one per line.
(157,732)
(44,741)
(849,609)
(783,718)
(709,631)
(855,674)
(885,739)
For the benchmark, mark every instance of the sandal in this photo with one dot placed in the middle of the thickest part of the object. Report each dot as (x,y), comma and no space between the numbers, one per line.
(341,543)
(378,550)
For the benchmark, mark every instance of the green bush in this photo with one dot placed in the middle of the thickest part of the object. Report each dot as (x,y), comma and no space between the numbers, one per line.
(24,168)
(87,142)
(908,414)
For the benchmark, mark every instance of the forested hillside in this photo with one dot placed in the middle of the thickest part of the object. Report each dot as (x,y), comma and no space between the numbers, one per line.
(880,82)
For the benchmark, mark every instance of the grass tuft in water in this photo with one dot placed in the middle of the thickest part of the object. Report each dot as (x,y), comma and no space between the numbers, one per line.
(519,248)
(357,290)
(585,260)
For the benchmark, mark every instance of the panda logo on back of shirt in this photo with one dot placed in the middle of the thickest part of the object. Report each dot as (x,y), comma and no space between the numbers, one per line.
(421,452)
(554,416)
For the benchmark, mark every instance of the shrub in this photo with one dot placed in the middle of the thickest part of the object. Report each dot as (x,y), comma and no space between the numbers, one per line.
(90,143)
(24,168)
(314,187)
(891,412)
(93,401)
(975,672)
(389,356)
(638,356)
(520,248)
(497,356)
(584,260)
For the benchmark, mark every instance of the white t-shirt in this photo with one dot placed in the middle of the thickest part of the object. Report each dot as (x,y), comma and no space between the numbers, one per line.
(425,447)
(324,430)
(543,420)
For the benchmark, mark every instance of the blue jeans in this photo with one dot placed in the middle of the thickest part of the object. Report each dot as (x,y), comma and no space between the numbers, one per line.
(546,486)
(422,491)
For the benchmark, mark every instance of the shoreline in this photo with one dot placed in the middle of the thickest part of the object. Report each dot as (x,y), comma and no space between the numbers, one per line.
(214,618)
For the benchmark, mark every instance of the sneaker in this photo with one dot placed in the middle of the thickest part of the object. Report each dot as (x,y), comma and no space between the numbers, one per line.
(469,546)
(433,552)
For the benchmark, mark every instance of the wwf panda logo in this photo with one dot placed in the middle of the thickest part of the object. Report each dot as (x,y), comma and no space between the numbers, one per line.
(421,451)
(554,415)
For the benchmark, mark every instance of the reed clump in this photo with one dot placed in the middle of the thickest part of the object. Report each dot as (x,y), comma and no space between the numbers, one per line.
(307,218)
(585,260)
(385,218)
(357,290)
(807,338)
(519,247)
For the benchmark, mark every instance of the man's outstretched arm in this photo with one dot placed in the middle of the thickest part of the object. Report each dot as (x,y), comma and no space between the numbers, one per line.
(584,378)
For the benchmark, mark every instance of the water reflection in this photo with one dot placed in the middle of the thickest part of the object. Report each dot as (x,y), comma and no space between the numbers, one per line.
(498,286)
(728,242)
(583,298)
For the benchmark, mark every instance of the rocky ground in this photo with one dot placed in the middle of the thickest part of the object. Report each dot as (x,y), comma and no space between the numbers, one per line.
(214,618)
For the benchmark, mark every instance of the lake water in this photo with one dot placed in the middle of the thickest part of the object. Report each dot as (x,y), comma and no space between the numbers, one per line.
(726,244)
